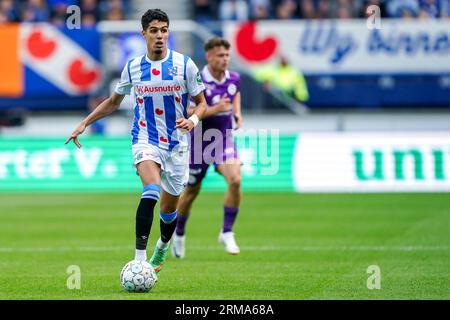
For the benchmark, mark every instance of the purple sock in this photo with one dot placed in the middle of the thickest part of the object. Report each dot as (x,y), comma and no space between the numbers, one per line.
(181,224)
(229,216)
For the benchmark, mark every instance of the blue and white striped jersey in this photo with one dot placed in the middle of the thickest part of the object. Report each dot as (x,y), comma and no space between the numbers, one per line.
(162,89)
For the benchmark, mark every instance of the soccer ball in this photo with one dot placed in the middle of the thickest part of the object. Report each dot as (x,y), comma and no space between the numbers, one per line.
(138,276)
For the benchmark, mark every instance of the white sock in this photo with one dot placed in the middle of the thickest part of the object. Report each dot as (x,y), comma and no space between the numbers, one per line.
(140,255)
(162,245)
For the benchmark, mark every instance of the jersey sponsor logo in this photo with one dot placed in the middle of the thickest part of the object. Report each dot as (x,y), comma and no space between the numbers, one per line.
(215,99)
(142,89)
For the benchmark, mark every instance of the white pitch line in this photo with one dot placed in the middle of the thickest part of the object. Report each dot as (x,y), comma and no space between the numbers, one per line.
(243,248)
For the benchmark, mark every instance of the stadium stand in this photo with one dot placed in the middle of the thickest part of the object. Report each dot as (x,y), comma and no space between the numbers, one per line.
(330,89)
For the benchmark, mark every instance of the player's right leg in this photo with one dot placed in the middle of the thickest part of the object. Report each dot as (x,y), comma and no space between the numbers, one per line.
(184,208)
(173,180)
(149,172)
(168,222)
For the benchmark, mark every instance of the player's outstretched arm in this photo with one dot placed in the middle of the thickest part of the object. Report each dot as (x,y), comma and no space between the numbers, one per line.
(197,115)
(104,109)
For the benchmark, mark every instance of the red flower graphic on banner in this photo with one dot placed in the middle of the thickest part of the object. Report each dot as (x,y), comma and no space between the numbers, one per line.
(252,49)
(39,46)
(81,75)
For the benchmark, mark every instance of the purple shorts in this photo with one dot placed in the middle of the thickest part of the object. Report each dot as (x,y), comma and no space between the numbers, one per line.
(211,152)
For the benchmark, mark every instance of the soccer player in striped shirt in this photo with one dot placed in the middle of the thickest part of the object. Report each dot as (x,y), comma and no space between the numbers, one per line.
(163,81)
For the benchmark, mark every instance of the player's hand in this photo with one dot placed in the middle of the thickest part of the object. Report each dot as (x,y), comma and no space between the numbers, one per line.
(224,105)
(184,124)
(239,121)
(74,136)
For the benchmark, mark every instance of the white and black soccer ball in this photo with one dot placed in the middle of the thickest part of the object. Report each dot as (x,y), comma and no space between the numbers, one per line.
(138,276)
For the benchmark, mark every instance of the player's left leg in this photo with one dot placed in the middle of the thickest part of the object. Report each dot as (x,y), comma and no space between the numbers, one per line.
(197,173)
(173,180)
(231,171)
(184,209)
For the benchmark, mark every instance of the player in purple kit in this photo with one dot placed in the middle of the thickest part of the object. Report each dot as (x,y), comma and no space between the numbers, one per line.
(224,102)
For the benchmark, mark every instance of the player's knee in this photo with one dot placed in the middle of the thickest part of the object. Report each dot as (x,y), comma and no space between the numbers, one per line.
(193,193)
(235,182)
(190,193)
(168,207)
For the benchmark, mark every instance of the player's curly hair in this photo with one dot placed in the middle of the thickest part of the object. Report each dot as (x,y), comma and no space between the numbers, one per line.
(153,14)
(216,42)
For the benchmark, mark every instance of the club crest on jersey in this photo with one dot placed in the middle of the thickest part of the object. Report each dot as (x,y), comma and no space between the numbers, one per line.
(232,89)
(173,71)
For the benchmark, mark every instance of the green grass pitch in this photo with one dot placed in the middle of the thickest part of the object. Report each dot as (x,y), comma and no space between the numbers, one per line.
(293,246)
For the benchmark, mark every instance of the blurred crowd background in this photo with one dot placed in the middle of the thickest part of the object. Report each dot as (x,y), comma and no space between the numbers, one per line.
(318,68)
(54,11)
(317,9)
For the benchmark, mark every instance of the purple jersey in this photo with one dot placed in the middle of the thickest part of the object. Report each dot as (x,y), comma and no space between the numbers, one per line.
(223,150)
(214,91)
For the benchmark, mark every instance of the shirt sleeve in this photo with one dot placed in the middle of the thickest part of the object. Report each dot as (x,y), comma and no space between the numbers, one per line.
(238,82)
(124,85)
(194,81)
